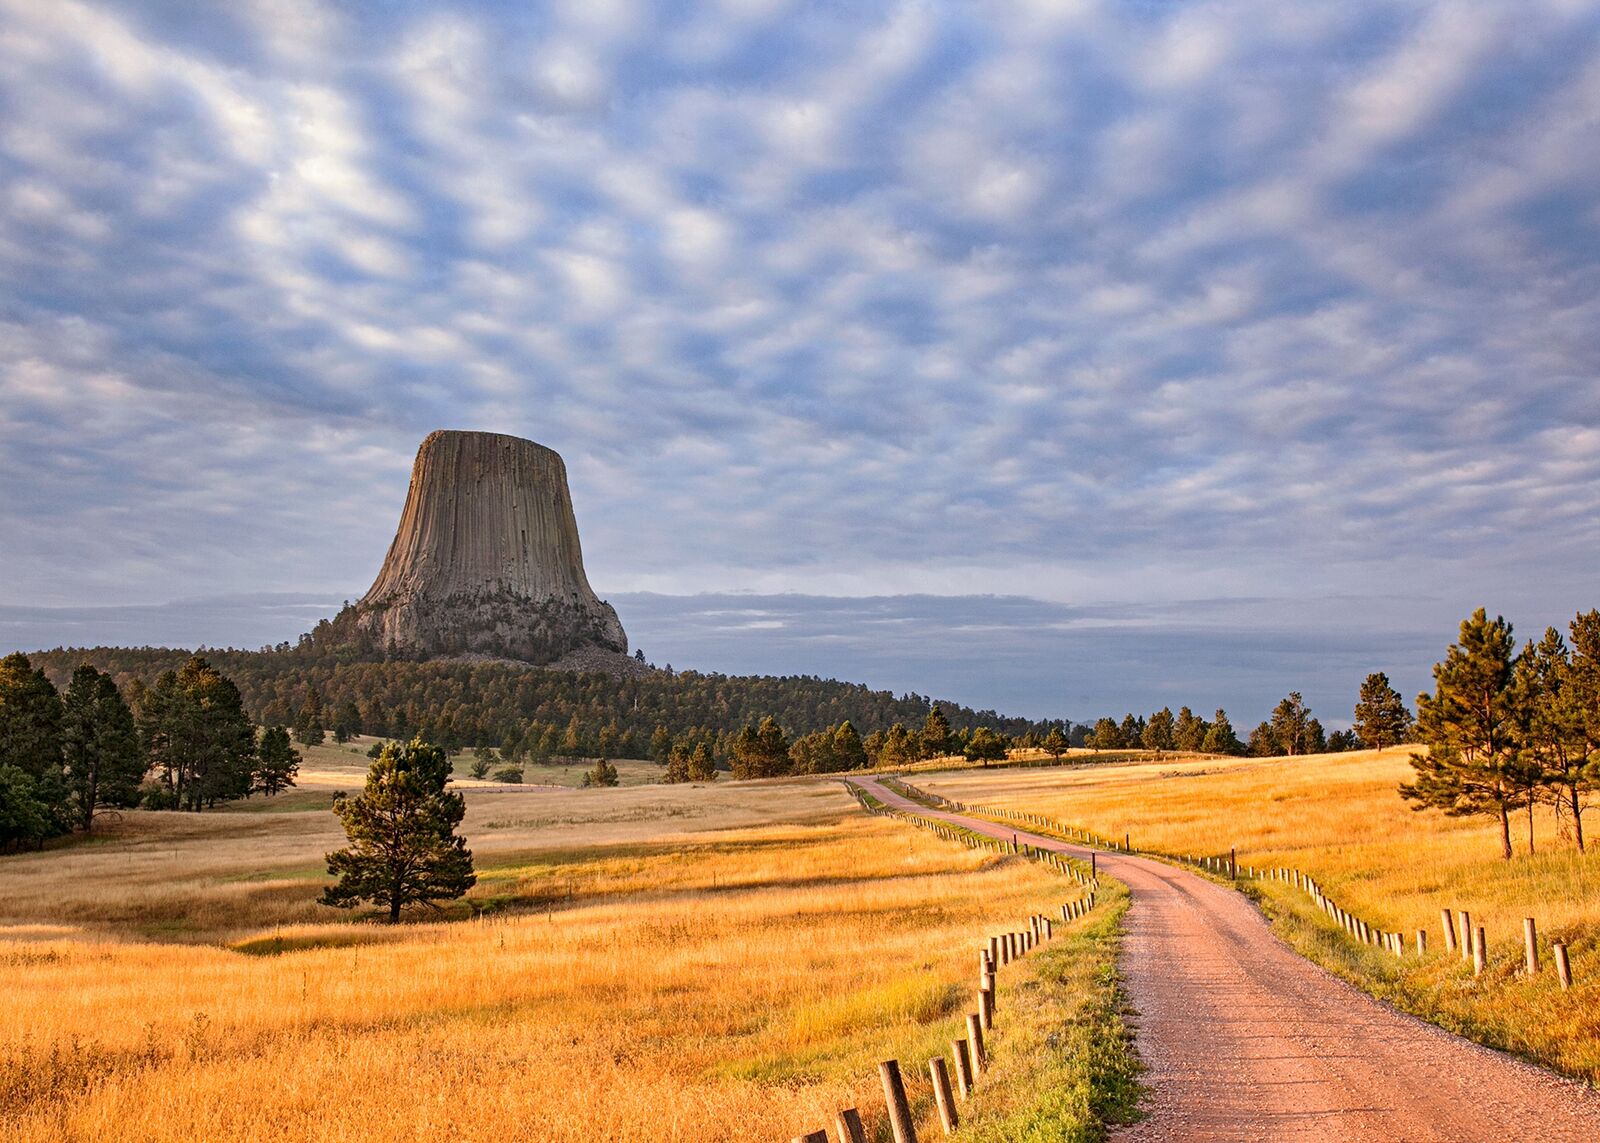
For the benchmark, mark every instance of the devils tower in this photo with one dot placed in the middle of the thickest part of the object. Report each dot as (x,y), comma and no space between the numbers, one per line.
(486,559)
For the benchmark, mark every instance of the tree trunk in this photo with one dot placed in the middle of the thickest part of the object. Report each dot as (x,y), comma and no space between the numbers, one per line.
(1505,833)
(1530,823)
(394,910)
(1577,816)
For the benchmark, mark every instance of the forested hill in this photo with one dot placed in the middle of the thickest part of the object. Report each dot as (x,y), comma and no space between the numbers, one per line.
(485,703)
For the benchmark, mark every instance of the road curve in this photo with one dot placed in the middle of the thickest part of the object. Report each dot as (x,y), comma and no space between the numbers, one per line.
(1244,1039)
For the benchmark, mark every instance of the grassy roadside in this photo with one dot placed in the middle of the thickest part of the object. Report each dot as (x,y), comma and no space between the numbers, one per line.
(1502,1008)
(1062,1065)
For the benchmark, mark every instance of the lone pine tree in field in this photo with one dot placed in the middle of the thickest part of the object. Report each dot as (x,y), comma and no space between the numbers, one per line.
(277,762)
(403,846)
(1055,743)
(1381,715)
(1468,725)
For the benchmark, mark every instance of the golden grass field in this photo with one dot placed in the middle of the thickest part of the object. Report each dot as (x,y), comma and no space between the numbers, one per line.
(650,963)
(1338,817)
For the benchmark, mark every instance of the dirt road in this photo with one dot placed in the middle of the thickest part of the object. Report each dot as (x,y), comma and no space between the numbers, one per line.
(1246,1040)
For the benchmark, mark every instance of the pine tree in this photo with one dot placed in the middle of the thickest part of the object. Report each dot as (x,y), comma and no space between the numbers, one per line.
(346,721)
(1468,726)
(30,743)
(661,744)
(1157,734)
(1131,730)
(1189,732)
(1381,717)
(1551,734)
(277,762)
(677,764)
(701,766)
(1291,725)
(308,727)
(1220,738)
(1107,735)
(1577,778)
(1055,743)
(985,746)
(935,733)
(849,753)
(104,759)
(403,846)
(602,773)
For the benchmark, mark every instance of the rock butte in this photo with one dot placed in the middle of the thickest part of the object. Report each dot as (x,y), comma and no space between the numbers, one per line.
(486,559)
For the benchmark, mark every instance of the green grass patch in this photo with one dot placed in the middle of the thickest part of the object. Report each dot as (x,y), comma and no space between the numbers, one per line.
(1062,1061)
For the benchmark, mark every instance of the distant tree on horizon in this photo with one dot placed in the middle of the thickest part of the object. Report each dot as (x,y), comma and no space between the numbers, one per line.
(1055,743)
(1290,726)
(935,739)
(1106,735)
(1220,737)
(308,727)
(1381,717)
(1158,731)
(1189,732)
(985,746)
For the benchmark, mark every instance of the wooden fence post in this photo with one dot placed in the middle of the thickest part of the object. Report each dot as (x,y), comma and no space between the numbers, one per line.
(1558,949)
(1448,924)
(894,1096)
(849,1127)
(942,1097)
(958,1048)
(1422,942)
(980,1058)
(1530,946)
(1233,863)
(811,1137)
(986,1008)
(1466,934)
(1479,955)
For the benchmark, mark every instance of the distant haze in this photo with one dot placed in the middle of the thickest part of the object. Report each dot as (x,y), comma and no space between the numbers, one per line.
(1012,654)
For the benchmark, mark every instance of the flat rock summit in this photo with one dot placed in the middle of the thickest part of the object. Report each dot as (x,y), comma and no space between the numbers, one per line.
(486,560)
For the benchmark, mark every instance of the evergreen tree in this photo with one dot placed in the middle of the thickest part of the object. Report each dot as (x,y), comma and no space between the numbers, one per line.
(701,766)
(30,743)
(1131,730)
(277,762)
(1055,743)
(1553,746)
(308,727)
(1381,715)
(1341,740)
(1158,731)
(1264,742)
(1468,726)
(661,743)
(602,773)
(1220,738)
(403,846)
(1291,725)
(1107,735)
(1189,732)
(1577,777)
(572,739)
(197,737)
(677,764)
(935,733)
(346,721)
(104,760)
(985,746)
(849,753)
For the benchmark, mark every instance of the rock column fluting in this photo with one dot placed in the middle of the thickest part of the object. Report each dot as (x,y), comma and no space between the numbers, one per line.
(486,559)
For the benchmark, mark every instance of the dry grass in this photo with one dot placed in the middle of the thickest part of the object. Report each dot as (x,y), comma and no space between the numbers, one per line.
(726,963)
(1339,818)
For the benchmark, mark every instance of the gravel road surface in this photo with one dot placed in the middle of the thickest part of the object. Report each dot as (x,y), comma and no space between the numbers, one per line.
(1244,1039)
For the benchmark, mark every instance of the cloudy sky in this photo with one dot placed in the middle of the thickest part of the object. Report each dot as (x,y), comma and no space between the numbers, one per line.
(1058,357)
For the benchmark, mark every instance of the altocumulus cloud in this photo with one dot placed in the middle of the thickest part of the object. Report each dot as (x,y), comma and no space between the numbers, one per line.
(1085,302)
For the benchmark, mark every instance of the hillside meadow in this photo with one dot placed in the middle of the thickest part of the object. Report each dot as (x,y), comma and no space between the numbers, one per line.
(1338,818)
(646,963)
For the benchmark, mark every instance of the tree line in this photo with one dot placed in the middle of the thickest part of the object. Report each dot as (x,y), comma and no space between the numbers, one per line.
(1509,729)
(184,742)
(526,712)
